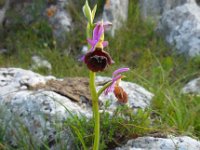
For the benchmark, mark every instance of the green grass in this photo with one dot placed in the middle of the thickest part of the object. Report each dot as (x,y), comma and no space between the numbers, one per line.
(154,65)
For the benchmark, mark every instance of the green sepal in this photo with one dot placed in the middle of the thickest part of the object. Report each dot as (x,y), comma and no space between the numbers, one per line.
(87,12)
(94,12)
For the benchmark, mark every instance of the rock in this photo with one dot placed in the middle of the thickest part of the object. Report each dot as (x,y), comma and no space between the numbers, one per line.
(39,63)
(76,88)
(15,79)
(60,20)
(23,12)
(181,27)
(193,87)
(39,112)
(28,12)
(153,9)
(3,51)
(3,10)
(116,11)
(170,143)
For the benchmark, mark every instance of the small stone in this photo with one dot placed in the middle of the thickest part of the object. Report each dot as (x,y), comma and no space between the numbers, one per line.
(84,49)
(38,63)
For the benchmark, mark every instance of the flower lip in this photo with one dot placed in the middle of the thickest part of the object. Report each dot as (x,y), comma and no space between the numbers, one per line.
(97,60)
(121,95)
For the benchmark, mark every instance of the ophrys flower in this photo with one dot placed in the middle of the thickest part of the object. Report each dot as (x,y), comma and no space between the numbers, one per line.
(119,92)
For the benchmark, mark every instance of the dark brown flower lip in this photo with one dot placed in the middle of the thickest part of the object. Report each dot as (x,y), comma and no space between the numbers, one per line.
(97,60)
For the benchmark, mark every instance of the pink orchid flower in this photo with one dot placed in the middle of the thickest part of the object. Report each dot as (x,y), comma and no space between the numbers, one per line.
(116,76)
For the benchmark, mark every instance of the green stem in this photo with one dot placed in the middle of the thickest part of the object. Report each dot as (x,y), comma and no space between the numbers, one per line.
(103,88)
(95,109)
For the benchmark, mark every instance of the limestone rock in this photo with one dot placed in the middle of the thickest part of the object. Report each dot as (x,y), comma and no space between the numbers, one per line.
(43,110)
(170,143)
(3,10)
(23,12)
(181,27)
(28,12)
(116,11)
(16,79)
(60,20)
(39,112)
(153,9)
(193,87)
(38,62)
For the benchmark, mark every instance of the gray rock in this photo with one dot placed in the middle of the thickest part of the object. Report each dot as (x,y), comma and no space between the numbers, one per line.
(15,79)
(23,12)
(181,27)
(3,11)
(170,143)
(192,87)
(60,20)
(28,12)
(38,62)
(116,11)
(41,112)
(3,51)
(153,9)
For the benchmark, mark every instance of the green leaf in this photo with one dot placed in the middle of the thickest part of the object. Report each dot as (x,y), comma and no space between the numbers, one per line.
(94,12)
(87,12)
(80,136)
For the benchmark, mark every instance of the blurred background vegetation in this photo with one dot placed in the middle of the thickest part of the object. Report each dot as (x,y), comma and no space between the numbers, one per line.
(153,65)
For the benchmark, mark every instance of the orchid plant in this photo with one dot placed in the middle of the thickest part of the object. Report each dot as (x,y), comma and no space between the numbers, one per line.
(97,60)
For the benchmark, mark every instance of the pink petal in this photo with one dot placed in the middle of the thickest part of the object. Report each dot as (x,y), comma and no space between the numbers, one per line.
(91,42)
(105,43)
(107,24)
(116,78)
(116,72)
(82,58)
(98,31)
(110,88)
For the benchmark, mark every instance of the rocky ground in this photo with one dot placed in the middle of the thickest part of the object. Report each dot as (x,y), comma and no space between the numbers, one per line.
(26,96)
